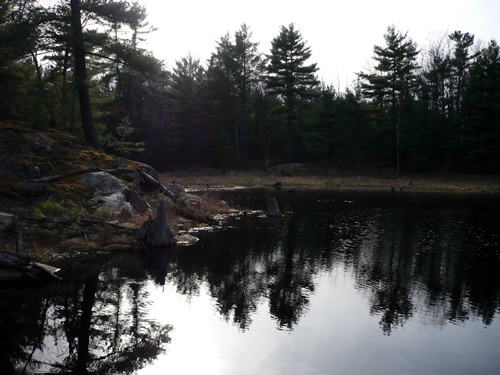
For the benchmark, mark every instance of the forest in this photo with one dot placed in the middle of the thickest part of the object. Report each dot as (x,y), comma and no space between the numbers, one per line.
(78,66)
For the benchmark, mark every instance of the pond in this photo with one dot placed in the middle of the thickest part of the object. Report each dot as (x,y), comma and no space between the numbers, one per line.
(346,282)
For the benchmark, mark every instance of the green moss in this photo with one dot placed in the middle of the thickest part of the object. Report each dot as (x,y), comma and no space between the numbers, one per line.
(71,211)
(104,214)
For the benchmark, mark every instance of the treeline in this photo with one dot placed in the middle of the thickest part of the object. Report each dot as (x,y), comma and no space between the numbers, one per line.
(78,66)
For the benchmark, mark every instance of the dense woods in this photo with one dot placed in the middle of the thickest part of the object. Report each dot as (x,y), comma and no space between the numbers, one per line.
(78,66)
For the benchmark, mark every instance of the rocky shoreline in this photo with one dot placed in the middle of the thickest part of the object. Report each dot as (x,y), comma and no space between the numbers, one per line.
(60,198)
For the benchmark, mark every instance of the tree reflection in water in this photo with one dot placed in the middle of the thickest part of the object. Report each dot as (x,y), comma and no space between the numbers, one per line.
(97,326)
(439,262)
(427,260)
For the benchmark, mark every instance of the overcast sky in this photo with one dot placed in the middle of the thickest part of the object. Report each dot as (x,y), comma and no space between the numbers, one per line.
(341,34)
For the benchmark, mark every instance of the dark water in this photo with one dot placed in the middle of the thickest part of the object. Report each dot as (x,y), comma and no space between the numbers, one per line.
(347,282)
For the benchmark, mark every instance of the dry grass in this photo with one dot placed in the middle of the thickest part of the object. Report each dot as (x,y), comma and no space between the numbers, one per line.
(317,177)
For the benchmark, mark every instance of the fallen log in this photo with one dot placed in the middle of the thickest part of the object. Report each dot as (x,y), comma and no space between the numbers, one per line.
(190,214)
(80,172)
(12,259)
(18,266)
(41,272)
(155,184)
(181,207)
(65,175)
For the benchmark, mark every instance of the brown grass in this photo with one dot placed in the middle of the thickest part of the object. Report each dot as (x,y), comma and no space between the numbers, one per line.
(317,177)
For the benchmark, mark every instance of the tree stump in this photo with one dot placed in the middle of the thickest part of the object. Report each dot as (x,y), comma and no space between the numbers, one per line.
(272,208)
(157,232)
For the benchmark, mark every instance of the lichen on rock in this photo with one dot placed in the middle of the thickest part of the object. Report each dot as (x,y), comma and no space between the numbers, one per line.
(113,194)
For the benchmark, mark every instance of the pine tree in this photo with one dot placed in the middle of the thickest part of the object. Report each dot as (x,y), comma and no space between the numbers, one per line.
(235,69)
(481,112)
(54,37)
(290,79)
(81,75)
(21,95)
(249,68)
(391,87)
(185,106)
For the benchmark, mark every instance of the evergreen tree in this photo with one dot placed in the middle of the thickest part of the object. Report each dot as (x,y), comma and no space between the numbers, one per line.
(20,74)
(337,126)
(290,79)
(81,75)
(434,96)
(481,112)
(392,86)
(461,61)
(267,126)
(249,69)
(55,33)
(235,69)
(320,134)
(223,102)
(187,114)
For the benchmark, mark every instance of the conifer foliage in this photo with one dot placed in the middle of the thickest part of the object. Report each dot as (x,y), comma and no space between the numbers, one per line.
(78,66)
(290,79)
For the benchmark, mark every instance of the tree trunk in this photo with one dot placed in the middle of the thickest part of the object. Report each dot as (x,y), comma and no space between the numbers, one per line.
(273,208)
(89,293)
(156,232)
(81,76)
(62,118)
(237,142)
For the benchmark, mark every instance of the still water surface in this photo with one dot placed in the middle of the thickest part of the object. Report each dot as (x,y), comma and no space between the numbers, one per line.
(347,282)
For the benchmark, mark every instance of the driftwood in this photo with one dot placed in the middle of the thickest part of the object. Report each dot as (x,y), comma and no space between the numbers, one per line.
(273,208)
(190,214)
(12,259)
(18,266)
(157,232)
(65,175)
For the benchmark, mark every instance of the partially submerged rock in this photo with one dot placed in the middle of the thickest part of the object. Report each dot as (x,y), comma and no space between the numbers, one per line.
(186,240)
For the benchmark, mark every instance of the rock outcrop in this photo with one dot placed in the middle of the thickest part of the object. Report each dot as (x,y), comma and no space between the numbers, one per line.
(63,188)
(113,195)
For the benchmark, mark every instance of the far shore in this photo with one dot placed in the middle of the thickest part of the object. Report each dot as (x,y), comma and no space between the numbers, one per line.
(303,177)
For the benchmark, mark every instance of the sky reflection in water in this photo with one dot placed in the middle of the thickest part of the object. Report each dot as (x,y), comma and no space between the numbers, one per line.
(351,282)
(392,290)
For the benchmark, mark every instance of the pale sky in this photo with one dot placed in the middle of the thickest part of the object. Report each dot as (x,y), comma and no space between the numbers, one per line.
(341,34)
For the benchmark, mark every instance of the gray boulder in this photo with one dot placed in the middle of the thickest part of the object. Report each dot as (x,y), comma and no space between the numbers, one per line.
(193,200)
(113,195)
(41,144)
(186,240)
